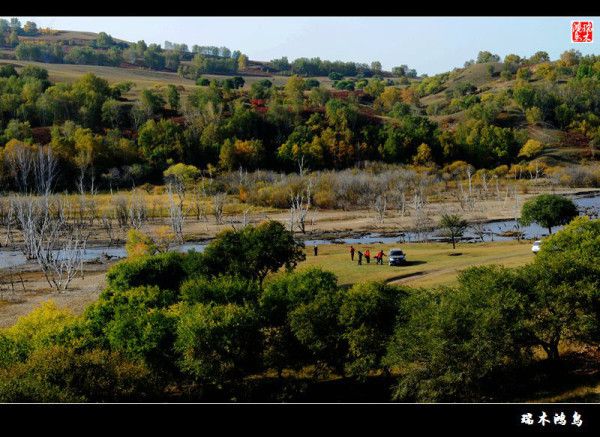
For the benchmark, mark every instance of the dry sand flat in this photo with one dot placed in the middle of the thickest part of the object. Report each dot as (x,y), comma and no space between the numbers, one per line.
(80,294)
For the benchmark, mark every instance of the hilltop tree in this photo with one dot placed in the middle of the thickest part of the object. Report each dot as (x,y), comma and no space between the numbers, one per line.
(512,59)
(30,28)
(570,57)
(483,57)
(4,26)
(400,71)
(539,57)
(15,25)
(376,67)
(548,210)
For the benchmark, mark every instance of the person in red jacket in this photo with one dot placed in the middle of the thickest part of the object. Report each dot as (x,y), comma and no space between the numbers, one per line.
(368,256)
(352,250)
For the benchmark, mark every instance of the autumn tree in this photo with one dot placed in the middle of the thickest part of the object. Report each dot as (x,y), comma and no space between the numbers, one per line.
(242,62)
(531,149)
(245,153)
(423,155)
(294,91)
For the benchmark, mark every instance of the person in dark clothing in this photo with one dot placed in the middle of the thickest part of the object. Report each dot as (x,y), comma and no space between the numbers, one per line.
(360,255)
(352,250)
(316,250)
(368,256)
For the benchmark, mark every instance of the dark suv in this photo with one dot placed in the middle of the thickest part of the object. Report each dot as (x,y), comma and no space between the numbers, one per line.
(397,257)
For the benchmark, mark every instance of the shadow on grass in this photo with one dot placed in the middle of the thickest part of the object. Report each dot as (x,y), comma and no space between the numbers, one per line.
(413,263)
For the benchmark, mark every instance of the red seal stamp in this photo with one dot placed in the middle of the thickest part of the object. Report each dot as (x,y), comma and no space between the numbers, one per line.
(582,31)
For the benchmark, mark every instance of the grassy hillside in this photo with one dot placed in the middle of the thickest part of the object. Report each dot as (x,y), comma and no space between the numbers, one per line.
(482,114)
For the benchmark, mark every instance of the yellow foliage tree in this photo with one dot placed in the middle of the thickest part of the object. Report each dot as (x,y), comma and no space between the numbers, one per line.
(38,328)
(245,153)
(242,62)
(139,244)
(87,147)
(181,172)
(423,155)
(388,98)
(163,238)
(531,149)
(294,90)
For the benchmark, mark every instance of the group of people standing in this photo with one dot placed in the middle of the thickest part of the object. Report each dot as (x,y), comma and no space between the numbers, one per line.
(367,254)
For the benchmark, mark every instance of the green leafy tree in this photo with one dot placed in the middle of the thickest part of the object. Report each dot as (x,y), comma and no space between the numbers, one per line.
(159,142)
(454,225)
(565,274)
(280,297)
(294,90)
(152,102)
(218,342)
(376,67)
(455,344)
(221,290)
(368,314)
(30,28)
(484,57)
(548,210)
(534,115)
(242,62)
(173,97)
(181,173)
(140,327)
(165,270)
(265,248)
(317,327)
(112,113)
(539,57)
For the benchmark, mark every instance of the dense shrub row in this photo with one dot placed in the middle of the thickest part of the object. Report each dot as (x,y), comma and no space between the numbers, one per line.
(182,323)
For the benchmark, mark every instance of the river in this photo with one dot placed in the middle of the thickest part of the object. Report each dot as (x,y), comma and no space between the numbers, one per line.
(494,231)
